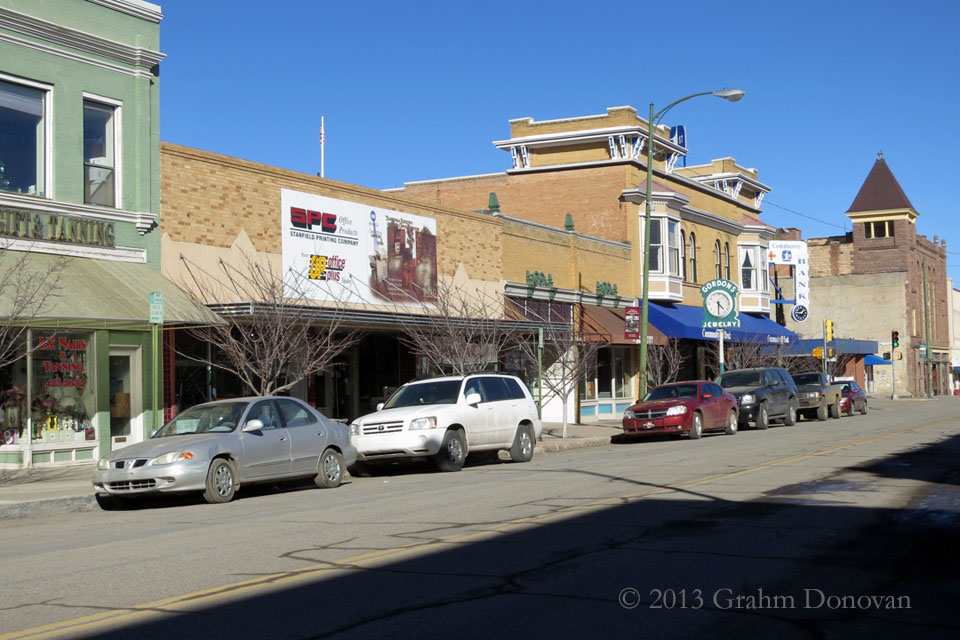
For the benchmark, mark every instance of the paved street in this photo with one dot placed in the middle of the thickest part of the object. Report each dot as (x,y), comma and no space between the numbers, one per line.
(844,528)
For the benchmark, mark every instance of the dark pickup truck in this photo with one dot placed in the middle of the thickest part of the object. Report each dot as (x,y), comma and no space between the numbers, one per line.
(817,396)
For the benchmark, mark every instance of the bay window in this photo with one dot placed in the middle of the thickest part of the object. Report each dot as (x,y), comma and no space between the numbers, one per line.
(665,239)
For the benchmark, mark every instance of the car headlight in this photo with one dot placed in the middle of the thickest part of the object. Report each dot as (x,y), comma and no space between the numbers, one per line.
(678,410)
(629,415)
(748,398)
(103,464)
(423,423)
(170,458)
(355,429)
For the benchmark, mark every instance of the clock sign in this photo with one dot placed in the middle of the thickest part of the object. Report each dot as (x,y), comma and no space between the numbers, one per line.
(800,313)
(720,304)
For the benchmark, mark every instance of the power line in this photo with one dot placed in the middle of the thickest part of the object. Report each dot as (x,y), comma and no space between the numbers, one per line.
(803,215)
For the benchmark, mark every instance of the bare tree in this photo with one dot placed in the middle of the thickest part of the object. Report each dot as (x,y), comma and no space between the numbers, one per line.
(459,329)
(569,354)
(755,353)
(664,362)
(271,335)
(28,288)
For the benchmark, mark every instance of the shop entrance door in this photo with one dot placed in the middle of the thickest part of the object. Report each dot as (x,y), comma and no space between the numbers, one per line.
(126,406)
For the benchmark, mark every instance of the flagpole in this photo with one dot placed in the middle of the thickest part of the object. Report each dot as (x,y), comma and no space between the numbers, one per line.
(323,143)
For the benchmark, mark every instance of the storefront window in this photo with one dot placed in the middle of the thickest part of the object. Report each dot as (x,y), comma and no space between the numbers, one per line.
(13,398)
(63,403)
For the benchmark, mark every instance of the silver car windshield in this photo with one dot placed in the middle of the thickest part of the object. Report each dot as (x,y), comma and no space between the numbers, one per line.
(204,418)
(436,392)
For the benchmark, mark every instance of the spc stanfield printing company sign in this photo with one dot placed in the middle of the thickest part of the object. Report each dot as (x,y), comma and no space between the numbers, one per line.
(341,250)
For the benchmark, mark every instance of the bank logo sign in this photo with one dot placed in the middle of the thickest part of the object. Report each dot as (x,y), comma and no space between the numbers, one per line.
(341,250)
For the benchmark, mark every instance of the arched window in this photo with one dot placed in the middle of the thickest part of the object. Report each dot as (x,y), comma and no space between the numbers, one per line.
(716,256)
(692,256)
(683,255)
(726,260)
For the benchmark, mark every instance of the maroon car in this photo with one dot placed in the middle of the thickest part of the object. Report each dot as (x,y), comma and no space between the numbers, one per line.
(852,398)
(682,407)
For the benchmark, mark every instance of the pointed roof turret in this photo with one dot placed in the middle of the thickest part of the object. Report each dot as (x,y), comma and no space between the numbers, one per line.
(880,191)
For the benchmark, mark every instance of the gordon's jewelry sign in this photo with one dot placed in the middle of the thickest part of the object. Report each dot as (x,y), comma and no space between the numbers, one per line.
(355,252)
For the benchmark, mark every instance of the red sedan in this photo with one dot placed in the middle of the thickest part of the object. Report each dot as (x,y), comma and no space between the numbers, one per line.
(683,407)
(852,398)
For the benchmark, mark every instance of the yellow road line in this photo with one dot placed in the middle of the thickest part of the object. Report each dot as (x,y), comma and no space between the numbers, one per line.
(184,602)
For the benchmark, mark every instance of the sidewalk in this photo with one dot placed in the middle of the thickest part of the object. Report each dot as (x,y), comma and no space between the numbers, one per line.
(36,492)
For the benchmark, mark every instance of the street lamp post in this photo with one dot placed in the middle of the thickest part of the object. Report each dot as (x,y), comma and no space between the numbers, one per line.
(727,94)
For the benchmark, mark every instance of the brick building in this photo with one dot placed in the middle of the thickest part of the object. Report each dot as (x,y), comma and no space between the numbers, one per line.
(590,172)
(217,207)
(875,280)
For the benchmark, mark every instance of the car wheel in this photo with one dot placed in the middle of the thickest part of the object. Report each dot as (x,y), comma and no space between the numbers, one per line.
(835,409)
(522,449)
(822,412)
(791,418)
(453,451)
(863,410)
(850,408)
(221,482)
(696,430)
(763,419)
(329,470)
(731,429)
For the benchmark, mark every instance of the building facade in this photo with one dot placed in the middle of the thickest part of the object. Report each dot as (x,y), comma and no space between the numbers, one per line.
(386,250)
(884,277)
(590,172)
(79,210)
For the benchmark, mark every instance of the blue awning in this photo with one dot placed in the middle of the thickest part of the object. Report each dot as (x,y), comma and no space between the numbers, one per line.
(875,360)
(684,321)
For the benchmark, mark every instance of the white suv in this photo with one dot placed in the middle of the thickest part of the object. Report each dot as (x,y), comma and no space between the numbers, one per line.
(447,418)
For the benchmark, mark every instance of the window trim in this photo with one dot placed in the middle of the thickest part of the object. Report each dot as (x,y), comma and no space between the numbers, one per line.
(692,254)
(117,106)
(716,253)
(683,255)
(48,116)
(726,260)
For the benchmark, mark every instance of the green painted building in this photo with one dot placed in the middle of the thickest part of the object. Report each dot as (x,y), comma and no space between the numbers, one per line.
(79,223)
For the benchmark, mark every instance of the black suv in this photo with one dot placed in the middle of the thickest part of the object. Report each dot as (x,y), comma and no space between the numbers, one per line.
(763,394)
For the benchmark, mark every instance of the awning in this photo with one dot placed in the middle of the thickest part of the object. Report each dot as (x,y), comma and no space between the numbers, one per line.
(95,293)
(847,346)
(872,360)
(609,323)
(684,321)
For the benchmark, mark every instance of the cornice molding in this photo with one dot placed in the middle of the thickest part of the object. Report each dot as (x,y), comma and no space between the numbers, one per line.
(51,33)
(136,8)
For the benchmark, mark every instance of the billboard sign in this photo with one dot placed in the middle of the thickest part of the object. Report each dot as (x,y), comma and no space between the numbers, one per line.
(342,250)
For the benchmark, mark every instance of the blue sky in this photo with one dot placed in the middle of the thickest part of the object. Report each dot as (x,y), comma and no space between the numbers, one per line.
(419,90)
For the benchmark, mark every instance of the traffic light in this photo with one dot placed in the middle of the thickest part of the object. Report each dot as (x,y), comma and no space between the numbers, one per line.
(895,339)
(828,330)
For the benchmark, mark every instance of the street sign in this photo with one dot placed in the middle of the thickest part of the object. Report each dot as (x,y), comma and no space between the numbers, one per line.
(156,307)
(923,349)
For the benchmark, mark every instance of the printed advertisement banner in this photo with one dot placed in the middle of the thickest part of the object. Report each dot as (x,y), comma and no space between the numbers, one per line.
(355,252)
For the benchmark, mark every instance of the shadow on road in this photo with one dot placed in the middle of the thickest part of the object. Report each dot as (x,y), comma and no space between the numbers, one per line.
(793,564)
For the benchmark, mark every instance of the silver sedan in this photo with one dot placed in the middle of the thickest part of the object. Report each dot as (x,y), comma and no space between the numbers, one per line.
(218,446)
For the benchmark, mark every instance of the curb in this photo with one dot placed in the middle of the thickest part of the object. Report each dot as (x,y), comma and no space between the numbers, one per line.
(44,507)
(571,443)
(48,506)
